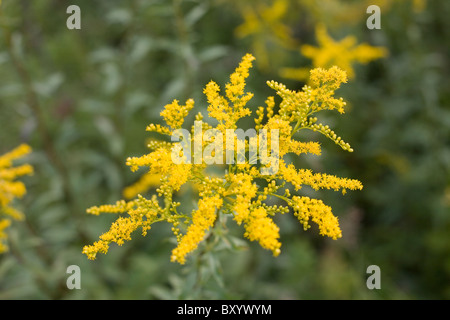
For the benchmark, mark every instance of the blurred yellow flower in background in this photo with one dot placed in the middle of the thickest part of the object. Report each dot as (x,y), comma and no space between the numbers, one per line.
(263,24)
(344,54)
(11,189)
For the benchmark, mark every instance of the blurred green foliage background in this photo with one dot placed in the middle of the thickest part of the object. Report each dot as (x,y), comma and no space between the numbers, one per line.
(82,100)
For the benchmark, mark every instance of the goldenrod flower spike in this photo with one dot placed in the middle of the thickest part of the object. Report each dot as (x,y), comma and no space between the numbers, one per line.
(228,112)
(300,106)
(306,209)
(11,189)
(174,114)
(259,227)
(242,191)
(202,220)
(147,181)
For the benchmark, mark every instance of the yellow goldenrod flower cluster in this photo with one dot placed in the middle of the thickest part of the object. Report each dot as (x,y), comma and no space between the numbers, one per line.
(243,190)
(147,181)
(343,54)
(202,220)
(314,209)
(11,189)
(260,227)
(219,107)
(141,213)
(174,114)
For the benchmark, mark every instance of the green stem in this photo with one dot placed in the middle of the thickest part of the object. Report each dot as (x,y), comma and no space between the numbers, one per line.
(276,195)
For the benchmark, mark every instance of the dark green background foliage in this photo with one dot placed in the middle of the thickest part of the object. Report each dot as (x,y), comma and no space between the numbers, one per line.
(82,100)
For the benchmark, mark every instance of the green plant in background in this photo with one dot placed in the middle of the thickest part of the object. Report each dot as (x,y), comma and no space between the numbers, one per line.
(264,25)
(240,193)
(80,100)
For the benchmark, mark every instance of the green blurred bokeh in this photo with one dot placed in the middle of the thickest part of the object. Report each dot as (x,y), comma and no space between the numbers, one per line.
(82,100)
